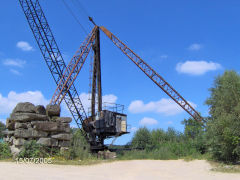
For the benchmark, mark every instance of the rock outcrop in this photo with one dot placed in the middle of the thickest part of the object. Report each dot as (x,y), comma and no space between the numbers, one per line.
(28,122)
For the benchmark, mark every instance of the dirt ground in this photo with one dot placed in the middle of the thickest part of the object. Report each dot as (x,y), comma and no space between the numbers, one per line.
(124,170)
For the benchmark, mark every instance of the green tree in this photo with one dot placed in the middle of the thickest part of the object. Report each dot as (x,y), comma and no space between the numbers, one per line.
(193,128)
(194,132)
(223,126)
(2,128)
(142,138)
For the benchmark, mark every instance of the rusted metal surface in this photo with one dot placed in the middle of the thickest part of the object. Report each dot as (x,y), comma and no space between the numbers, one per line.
(96,83)
(73,69)
(153,75)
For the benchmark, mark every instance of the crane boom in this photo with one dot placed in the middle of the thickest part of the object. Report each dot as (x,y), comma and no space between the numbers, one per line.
(52,55)
(73,69)
(153,75)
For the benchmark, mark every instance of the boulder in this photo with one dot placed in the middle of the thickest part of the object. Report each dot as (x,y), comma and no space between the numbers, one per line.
(29,133)
(51,126)
(19,141)
(48,142)
(21,125)
(64,119)
(40,110)
(25,107)
(14,150)
(10,124)
(8,133)
(53,110)
(66,137)
(25,117)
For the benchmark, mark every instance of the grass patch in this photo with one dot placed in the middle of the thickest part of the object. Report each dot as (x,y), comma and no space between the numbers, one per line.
(225,168)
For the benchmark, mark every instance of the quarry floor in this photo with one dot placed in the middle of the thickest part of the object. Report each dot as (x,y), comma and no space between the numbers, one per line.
(119,170)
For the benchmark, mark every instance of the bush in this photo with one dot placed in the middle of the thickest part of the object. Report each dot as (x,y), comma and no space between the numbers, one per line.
(5,151)
(33,150)
(79,148)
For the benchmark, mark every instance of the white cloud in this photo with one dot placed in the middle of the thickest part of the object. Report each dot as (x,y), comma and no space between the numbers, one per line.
(163,106)
(148,121)
(3,121)
(195,47)
(133,129)
(109,98)
(169,122)
(14,71)
(197,67)
(8,103)
(164,56)
(14,62)
(24,46)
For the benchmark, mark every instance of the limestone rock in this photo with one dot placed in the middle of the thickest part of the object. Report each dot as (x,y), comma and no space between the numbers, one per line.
(64,150)
(106,155)
(8,133)
(64,119)
(10,124)
(14,150)
(53,110)
(40,110)
(25,107)
(25,117)
(19,142)
(20,125)
(29,133)
(48,141)
(66,137)
(51,126)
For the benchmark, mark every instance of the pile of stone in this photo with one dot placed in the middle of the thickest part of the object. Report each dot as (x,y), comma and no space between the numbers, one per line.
(28,122)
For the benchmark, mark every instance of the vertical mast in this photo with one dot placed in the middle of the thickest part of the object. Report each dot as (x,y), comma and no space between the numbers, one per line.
(96,84)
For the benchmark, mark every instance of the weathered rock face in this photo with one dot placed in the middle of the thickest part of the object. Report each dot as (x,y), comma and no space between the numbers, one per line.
(28,122)
(26,107)
(40,110)
(53,110)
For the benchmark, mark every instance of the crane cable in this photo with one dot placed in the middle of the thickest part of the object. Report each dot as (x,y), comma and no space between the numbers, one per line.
(83,10)
(81,7)
(74,16)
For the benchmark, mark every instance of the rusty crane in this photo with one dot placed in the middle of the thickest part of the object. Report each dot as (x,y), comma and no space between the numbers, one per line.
(103,123)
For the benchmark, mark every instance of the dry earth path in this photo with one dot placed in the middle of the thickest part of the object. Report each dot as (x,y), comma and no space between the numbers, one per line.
(120,170)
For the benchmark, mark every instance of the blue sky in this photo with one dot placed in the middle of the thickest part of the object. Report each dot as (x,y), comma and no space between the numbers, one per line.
(188,42)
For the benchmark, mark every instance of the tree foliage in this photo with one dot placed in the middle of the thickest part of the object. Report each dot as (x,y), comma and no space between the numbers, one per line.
(142,138)
(2,128)
(223,126)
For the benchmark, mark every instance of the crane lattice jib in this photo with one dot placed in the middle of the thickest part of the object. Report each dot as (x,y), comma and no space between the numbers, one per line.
(153,75)
(74,67)
(50,51)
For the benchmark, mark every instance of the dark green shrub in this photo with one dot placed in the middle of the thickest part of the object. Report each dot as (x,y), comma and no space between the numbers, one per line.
(33,150)
(5,151)
(79,148)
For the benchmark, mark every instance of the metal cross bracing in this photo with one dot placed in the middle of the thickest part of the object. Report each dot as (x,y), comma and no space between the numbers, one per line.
(52,55)
(153,75)
(73,69)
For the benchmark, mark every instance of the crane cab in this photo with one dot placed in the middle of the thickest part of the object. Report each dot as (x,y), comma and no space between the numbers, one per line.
(110,123)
